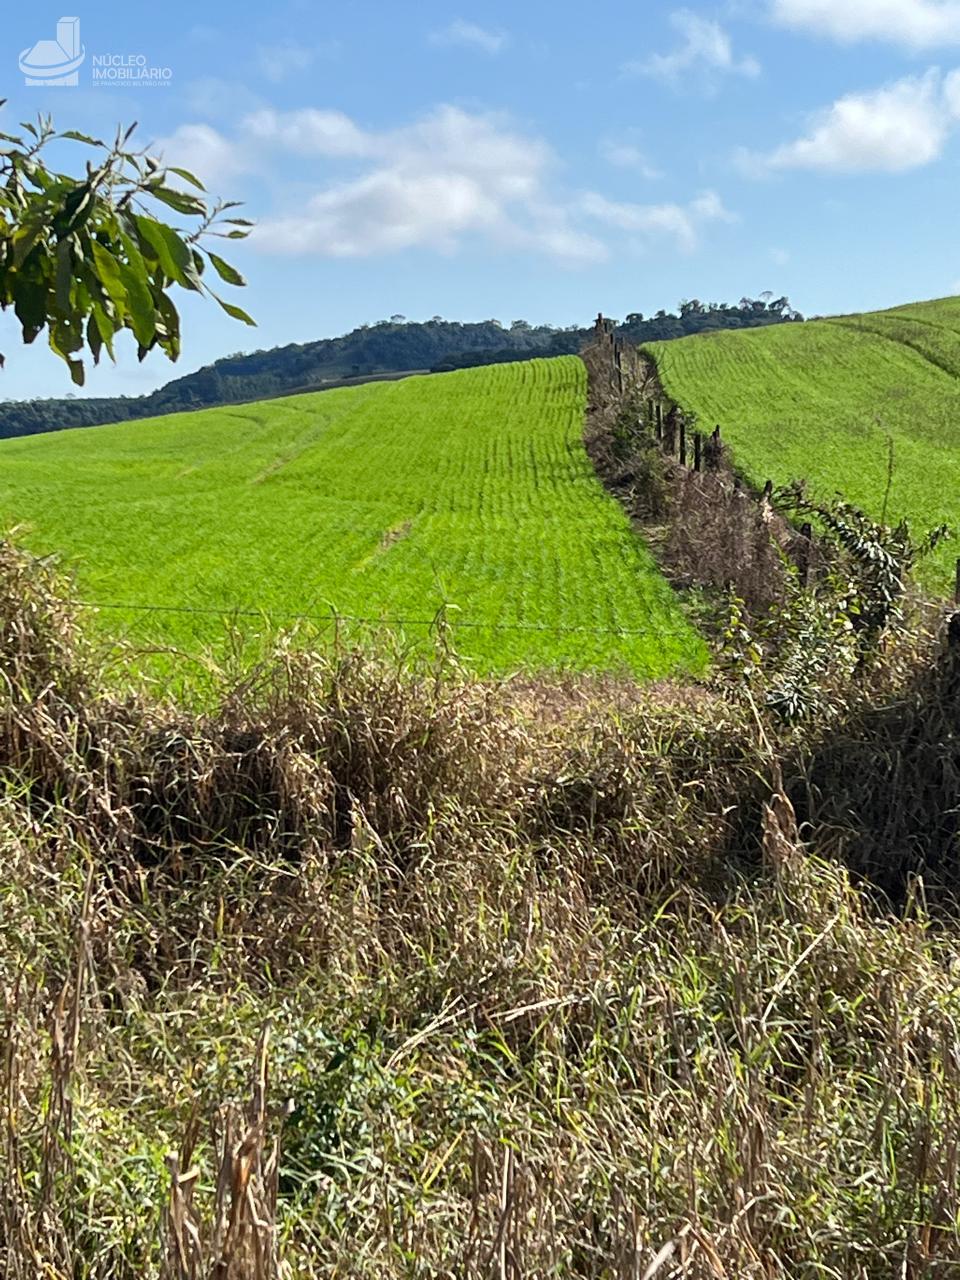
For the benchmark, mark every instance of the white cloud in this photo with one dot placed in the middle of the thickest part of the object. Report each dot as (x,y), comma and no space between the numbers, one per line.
(470,36)
(308,132)
(918,24)
(280,61)
(900,127)
(448,179)
(432,183)
(705,46)
(624,155)
(205,153)
(681,223)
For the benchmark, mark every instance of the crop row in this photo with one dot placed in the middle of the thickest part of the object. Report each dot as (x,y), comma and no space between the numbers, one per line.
(469,491)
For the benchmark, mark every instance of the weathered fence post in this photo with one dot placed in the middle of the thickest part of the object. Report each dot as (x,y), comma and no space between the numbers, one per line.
(682,451)
(671,432)
(659,420)
(804,553)
(697,451)
(714,450)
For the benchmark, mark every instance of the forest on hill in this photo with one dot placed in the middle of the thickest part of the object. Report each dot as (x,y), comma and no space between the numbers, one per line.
(390,345)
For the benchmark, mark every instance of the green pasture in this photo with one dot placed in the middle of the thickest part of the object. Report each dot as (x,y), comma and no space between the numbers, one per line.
(468,492)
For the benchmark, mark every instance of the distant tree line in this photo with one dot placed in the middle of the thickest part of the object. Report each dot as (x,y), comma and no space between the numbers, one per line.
(691,317)
(391,345)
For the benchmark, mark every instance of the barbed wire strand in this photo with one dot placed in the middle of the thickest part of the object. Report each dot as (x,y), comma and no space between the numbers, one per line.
(333,618)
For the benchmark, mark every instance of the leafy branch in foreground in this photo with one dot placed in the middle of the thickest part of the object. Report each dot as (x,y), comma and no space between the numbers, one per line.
(801,656)
(879,559)
(87,257)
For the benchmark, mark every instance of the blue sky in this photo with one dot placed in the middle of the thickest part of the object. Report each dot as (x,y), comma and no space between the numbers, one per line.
(542,160)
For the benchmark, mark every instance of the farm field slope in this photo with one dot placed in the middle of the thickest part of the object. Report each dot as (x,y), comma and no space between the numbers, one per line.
(823,401)
(379,502)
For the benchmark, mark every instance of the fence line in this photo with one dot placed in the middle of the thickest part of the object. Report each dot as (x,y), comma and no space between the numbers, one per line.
(665,419)
(333,618)
(698,451)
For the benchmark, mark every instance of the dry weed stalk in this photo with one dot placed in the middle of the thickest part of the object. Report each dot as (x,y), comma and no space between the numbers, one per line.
(240,1241)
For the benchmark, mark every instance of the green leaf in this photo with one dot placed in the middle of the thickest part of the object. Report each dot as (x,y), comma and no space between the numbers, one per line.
(108,271)
(105,327)
(74,136)
(187,177)
(173,254)
(179,200)
(170,338)
(224,270)
(24,241)
(140,302)
(94,341)
(64,277)
(237,312)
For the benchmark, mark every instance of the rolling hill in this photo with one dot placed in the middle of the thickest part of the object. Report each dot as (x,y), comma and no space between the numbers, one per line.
(832,401)
(397,345)
(381,502)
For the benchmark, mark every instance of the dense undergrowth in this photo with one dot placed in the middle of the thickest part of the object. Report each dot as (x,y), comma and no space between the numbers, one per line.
(375,973)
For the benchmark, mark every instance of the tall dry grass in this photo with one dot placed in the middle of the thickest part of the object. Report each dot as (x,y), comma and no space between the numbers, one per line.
(363,973)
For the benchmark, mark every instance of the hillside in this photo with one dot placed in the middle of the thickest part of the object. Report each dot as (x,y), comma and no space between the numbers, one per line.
(390,346)
(828,399)
(380,502)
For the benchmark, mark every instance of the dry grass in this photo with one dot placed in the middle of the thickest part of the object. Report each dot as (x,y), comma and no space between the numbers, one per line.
(546,997)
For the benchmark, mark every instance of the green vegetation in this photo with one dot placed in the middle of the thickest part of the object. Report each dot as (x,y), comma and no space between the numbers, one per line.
(387,501)
(828,400)
(86,259)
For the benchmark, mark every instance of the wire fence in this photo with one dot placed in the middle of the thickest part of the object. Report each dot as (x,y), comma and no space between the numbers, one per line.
(447,615)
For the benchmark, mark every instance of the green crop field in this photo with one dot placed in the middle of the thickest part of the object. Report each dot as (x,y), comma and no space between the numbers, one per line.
(383,502)
(824,400)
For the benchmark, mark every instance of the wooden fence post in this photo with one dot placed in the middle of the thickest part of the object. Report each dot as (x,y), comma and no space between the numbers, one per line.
(670,431)
(682,451)
(659,417)
(804,553)
(697,451)
(713,450)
